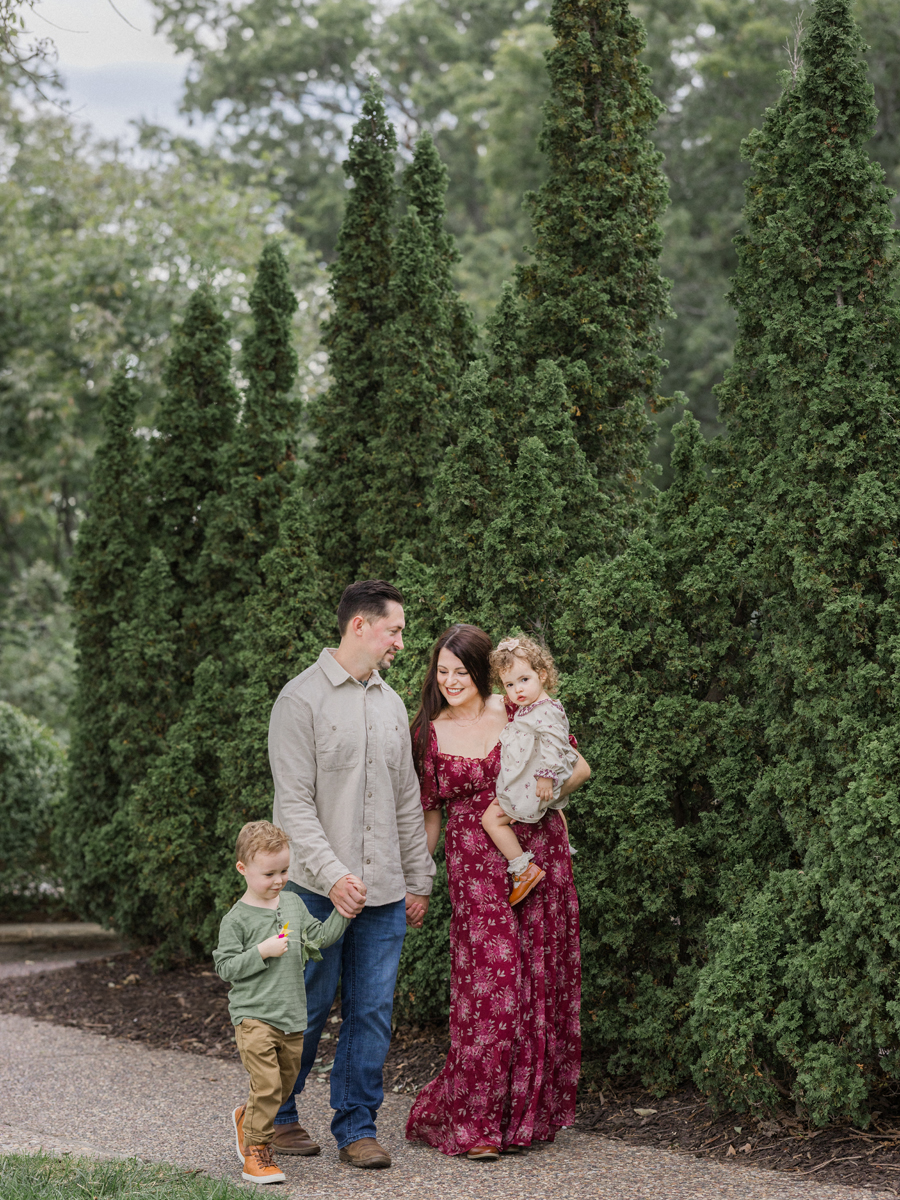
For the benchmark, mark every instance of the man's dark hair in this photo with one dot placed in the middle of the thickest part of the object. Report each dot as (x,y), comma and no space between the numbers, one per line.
(369,598)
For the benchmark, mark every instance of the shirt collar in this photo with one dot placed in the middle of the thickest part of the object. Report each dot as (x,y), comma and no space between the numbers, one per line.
(336,674)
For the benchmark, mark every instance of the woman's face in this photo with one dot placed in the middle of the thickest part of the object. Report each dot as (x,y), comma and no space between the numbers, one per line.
(454,680)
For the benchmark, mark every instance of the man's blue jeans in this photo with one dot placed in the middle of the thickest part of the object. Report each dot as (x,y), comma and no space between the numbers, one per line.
(365,961)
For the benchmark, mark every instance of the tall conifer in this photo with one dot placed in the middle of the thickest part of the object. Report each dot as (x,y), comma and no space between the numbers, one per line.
(343,420)
(810,961)
(287,620)
(196,420)
(656,647)
(258,462)
(106,564)
(594,294)
(424,348)
(181,798)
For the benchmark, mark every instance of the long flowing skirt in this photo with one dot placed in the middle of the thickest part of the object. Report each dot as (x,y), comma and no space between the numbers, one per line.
(515,1038)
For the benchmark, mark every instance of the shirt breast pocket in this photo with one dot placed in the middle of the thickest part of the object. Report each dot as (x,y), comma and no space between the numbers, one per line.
(336,753)
(396,738)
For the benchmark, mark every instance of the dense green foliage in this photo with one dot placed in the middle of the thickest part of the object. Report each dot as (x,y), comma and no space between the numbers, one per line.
(104,585)
(32,781)
(422,349)
(809,962)
(594,294)
(338,473)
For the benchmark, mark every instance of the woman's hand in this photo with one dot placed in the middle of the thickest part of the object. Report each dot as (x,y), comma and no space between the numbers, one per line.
(580,775)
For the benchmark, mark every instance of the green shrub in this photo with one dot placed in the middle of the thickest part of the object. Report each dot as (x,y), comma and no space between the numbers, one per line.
(32,781)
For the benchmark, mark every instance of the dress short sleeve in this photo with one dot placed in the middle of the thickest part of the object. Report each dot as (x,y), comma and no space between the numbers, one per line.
(429,786)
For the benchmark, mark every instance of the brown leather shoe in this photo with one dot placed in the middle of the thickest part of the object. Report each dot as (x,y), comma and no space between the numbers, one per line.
(522,884)
(365,1153)
(293,1139)
(484,1153)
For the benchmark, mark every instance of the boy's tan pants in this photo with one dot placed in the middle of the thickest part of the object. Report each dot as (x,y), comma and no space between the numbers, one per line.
(272,1060)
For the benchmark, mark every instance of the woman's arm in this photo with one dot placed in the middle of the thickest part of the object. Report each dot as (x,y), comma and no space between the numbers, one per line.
(581,774)
(433,825)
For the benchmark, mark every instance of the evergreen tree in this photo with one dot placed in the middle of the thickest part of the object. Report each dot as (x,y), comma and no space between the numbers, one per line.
(179,802)
(196,420)
(425,183)
(287,621)
(594,295)
(808,964)
(337,475)
(106,564)
(148,650)
(656,649)
(424,347)
(258,462)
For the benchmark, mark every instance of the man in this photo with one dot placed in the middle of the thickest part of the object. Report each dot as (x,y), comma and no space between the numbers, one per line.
(347,793)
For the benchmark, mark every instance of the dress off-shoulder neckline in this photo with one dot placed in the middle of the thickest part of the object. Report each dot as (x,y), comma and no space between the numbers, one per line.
(510,709)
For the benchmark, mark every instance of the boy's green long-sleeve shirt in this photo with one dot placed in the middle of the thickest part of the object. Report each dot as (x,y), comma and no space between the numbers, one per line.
(271,989)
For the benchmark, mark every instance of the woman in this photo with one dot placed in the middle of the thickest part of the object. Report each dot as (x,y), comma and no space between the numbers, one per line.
(515,987)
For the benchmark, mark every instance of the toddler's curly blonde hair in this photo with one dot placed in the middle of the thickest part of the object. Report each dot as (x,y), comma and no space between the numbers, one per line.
(537,656)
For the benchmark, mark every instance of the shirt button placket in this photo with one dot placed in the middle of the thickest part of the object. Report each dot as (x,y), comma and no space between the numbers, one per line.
(370,781)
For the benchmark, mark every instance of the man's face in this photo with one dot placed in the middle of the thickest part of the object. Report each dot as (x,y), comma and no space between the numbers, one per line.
(383,637)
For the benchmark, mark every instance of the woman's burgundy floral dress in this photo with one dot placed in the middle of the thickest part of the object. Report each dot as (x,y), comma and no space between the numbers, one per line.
(515,989)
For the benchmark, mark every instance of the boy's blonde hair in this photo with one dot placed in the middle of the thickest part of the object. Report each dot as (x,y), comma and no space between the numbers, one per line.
(259,837)
(537,656)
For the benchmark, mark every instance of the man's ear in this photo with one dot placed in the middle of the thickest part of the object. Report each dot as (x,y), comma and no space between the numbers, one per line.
(357,623)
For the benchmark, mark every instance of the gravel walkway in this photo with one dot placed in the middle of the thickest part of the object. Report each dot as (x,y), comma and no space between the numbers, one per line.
(66,1090)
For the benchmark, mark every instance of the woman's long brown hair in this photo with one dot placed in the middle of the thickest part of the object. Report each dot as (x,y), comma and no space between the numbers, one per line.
(472,647)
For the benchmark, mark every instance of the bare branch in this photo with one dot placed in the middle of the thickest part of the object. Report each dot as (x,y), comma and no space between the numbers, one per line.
(792,45)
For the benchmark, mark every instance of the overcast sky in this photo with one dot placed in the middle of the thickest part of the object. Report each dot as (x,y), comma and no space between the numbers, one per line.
(113,73)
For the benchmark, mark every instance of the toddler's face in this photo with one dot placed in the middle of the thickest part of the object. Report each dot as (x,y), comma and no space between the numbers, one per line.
(267,873)
(523,683)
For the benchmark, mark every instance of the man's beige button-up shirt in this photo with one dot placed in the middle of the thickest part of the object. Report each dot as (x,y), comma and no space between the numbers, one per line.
(346,790)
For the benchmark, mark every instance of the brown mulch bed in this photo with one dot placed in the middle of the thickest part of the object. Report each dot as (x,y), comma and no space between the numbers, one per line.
(684,1122)
(185,1009)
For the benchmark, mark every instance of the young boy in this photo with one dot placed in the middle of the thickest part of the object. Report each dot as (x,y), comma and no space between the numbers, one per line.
(264,943)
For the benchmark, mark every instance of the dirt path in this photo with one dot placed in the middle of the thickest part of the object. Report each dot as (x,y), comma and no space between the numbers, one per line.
(65,1089)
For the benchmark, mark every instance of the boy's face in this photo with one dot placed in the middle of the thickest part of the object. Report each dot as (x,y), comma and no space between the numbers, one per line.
(266,873)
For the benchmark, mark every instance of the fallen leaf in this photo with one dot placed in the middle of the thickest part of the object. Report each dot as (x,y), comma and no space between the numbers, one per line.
(646,1112)
(730,1152)
(746,1149)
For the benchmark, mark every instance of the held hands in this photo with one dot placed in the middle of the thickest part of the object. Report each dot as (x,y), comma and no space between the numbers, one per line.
(273,947)
(416,908)
(543,789)
(348,896)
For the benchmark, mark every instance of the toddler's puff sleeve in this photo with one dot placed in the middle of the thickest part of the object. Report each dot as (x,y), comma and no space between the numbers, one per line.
(558,757)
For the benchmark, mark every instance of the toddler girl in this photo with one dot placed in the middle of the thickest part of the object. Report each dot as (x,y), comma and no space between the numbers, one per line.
(536,757)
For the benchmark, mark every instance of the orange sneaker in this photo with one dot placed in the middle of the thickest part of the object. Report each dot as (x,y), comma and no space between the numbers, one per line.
(260,1166)
(523,884)
(237,1120)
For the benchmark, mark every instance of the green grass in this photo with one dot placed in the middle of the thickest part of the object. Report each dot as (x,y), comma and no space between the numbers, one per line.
(44,1177)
